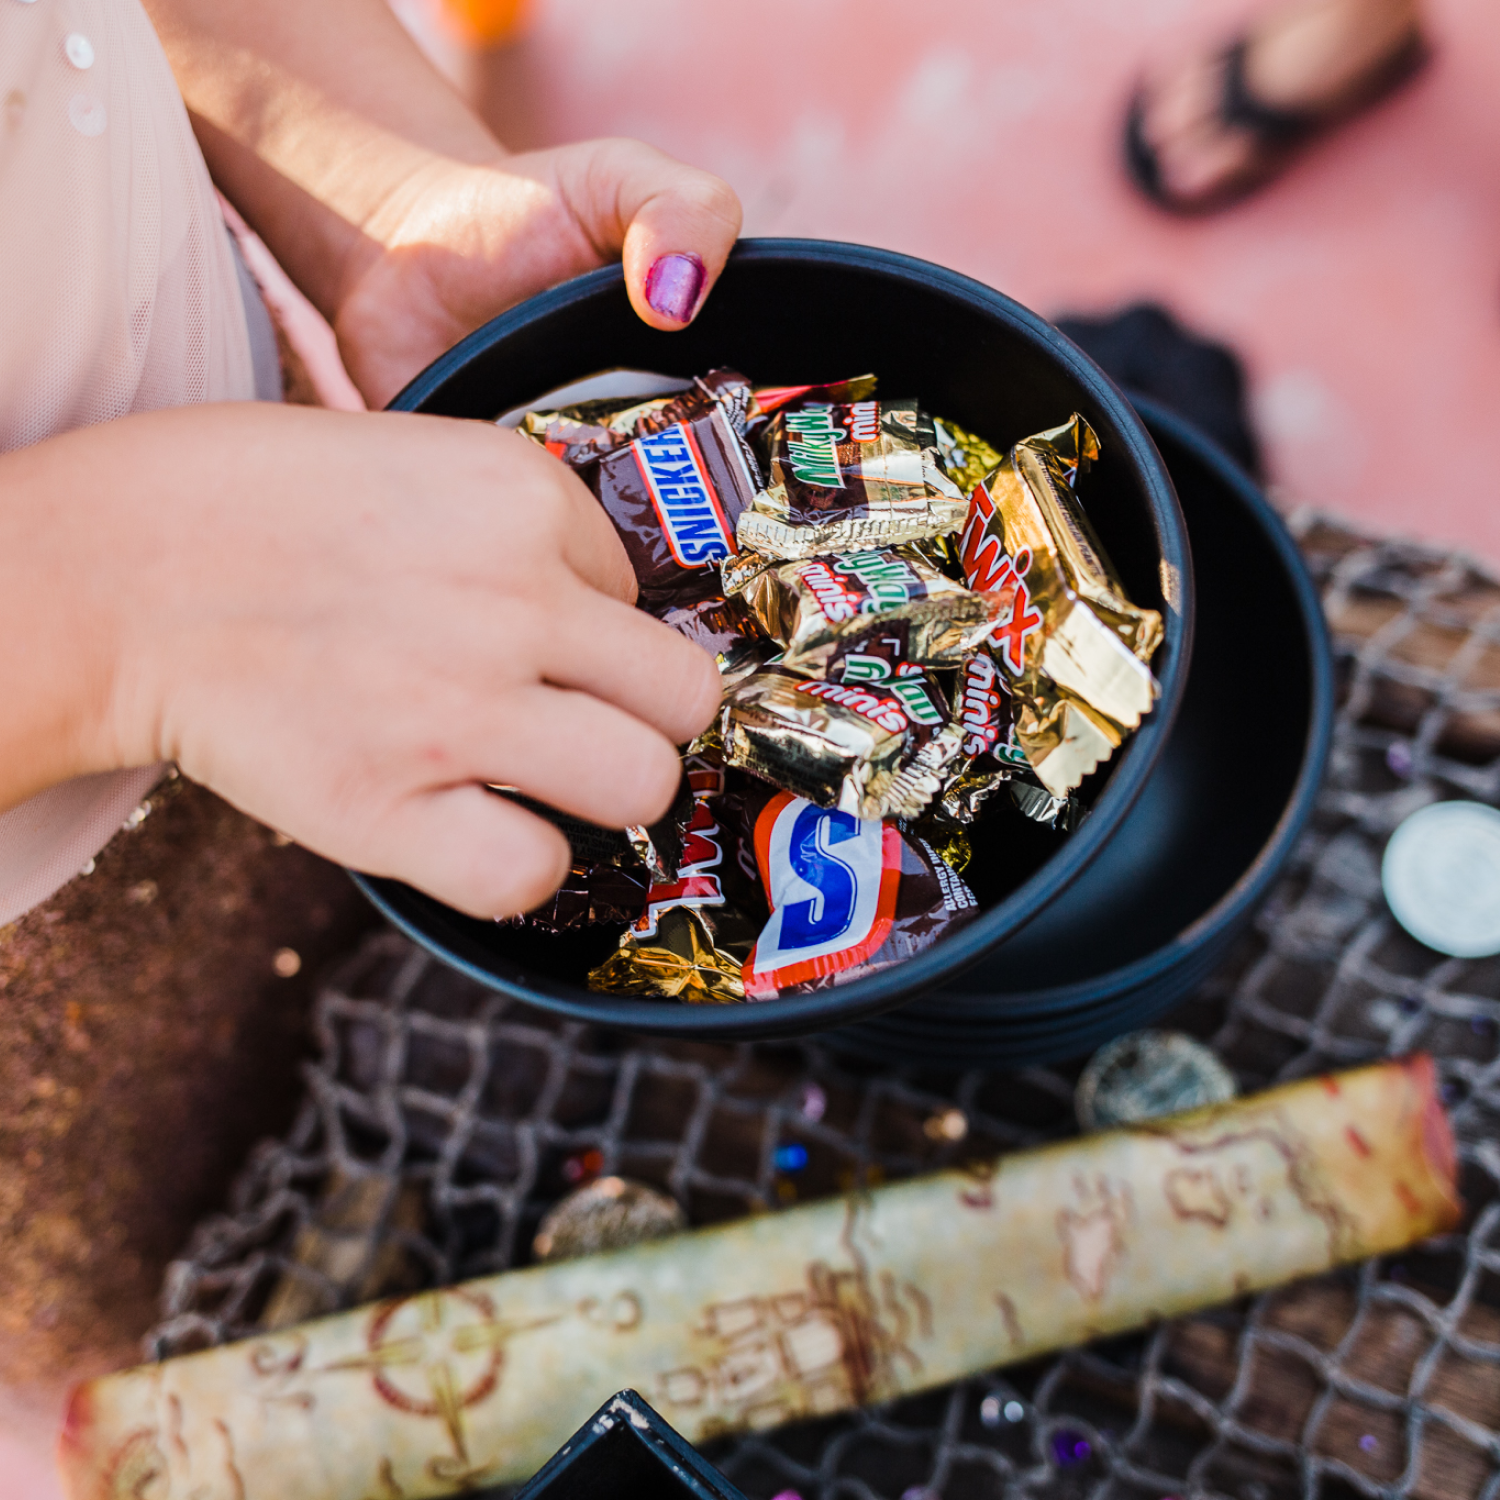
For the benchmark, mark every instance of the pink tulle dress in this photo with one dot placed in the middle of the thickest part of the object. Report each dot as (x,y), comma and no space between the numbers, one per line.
(119,293)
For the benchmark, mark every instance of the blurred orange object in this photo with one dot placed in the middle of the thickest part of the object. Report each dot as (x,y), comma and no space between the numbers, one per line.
(484,23)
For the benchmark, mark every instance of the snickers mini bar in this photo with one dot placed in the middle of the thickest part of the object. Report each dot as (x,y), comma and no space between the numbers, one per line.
(820,609)
(1073,646)
(673,474)
(675,496)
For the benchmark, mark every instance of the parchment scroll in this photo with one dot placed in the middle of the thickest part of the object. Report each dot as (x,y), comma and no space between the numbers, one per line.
(786,1315)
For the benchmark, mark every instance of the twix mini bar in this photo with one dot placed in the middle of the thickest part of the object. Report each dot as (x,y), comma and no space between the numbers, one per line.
(1072,644)
(695,930)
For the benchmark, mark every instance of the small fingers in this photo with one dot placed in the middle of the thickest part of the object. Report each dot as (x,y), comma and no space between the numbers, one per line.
(583,756)
(627,658)
(591,546)
(471,849)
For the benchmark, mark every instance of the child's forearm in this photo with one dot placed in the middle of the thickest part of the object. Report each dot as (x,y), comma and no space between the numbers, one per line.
(57,671)
(346,625)
(312,118)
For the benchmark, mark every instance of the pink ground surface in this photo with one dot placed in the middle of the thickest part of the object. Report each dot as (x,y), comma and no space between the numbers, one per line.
(1363,289)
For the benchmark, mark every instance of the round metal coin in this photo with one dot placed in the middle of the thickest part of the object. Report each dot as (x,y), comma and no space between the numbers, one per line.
(611,1213)
(1441,875)
(1147,1074)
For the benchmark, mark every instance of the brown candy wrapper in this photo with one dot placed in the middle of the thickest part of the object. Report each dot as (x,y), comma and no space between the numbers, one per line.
(822,608)
(716,623)
(726,629)
(1074,647)
(691,940)
(673,474)
(859,747)
(848,896)
(592,896)
(849,476)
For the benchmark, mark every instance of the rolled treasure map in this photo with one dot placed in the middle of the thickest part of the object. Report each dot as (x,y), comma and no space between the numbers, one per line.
(789,1315)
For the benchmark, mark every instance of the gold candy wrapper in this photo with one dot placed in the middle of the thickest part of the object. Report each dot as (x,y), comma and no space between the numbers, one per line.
(1074,647)
(822,609)
(990,755)
(849,476)
(684,956)
(966,458)
(853,746)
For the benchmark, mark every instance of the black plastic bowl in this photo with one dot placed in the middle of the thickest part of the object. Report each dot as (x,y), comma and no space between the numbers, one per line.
(1157,912)
(789,311)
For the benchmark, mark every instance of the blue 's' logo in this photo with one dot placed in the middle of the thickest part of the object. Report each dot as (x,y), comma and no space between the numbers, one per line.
(826,916)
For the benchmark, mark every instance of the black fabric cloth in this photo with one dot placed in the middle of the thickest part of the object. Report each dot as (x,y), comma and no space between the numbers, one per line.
(1145,349)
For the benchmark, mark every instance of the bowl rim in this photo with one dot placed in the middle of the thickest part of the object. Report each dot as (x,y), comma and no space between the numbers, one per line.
(1134,764)
(1224,918)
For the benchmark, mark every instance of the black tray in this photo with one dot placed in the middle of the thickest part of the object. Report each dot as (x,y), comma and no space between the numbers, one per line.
(1159,908)
(626,1451)
(797,310)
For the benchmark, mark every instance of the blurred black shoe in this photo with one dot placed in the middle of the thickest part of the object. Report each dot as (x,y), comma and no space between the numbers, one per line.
(1145,349)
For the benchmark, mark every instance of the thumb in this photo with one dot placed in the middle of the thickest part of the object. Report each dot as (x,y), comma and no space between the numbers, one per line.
(673,226)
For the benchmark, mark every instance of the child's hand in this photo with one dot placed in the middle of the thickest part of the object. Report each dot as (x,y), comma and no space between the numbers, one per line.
(457,244)
(346,625)
(394,208)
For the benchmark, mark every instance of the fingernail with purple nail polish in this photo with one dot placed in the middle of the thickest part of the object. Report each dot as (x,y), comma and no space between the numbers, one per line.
(673,284)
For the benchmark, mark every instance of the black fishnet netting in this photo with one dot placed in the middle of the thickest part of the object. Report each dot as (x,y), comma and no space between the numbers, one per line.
(441,1121)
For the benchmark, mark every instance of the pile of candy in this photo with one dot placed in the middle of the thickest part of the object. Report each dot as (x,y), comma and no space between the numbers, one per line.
(905,621)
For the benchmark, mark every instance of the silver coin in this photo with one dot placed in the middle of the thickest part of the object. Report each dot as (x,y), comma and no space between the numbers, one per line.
(1147,1074)
(610,1213)
(1441,875)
